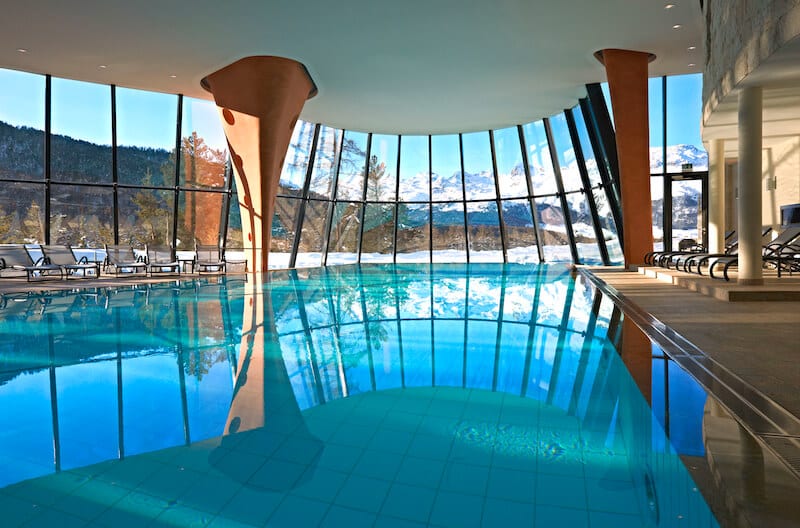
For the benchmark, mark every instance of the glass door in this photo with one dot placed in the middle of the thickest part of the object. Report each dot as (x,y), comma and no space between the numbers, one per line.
(687,224)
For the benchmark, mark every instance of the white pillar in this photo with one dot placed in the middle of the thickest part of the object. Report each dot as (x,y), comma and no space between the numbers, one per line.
(716,195)
(749,180)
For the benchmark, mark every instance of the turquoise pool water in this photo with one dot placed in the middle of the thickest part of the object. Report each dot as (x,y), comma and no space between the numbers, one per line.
(380,395)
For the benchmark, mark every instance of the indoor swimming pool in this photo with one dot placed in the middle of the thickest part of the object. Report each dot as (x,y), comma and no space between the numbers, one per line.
(373,395)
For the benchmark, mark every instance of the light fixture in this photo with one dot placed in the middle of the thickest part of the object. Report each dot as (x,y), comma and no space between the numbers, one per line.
(669,6)
(677,26)
(173,76)
(692,65)
(692,48)
(102,67)
(22,50)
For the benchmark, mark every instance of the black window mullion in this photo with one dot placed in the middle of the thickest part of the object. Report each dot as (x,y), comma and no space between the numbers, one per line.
(365,176)
(497,199)
(430,199)
(114,168)
(602,165)
(396,199)
(337,153)
(222,239)
(587,185)
(464,195)
(666,217)
(561,194)
(531,200)
(607,136)
(47,154)
(176,201)
(301,210)
(704,209)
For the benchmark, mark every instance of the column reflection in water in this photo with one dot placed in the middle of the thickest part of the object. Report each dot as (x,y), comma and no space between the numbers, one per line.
(264,416)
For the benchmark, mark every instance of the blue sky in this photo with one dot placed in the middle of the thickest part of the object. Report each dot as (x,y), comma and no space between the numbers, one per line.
(83,110)
(684,109)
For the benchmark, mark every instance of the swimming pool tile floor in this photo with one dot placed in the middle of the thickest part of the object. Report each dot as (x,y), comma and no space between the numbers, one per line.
(182,487)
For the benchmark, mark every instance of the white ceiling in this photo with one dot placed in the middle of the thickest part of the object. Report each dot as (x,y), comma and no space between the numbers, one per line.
(410,66)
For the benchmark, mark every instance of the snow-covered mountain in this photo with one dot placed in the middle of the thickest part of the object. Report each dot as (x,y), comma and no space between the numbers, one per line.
(677,155)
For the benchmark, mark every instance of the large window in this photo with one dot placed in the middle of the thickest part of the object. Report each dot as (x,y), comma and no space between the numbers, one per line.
(134,167)
(81,132)
(22,104)
(203,167)
(378,223)
(145,158)
(413,209)
(676,105)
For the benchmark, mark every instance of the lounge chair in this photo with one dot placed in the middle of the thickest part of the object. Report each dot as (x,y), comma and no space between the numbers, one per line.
(783,253)
(17,257)
(236,262)
(64,256)
(687,260)
(161,260)
(123,260)
(208,259)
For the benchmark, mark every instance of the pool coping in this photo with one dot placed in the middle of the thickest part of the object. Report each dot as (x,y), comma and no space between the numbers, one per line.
(775,428)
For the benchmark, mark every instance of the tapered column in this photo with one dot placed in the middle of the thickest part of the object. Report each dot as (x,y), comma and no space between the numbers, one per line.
(716,191)
(627,81)
(749,183)
(259,99)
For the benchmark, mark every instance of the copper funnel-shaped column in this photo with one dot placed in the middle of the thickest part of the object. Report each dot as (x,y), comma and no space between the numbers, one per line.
(627,81)
(259,99)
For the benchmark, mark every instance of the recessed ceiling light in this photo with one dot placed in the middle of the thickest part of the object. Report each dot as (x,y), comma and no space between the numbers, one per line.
(102,67)
(669,6)
(173,76)
(692,48)
(22,50)
(692,65)
(677,26)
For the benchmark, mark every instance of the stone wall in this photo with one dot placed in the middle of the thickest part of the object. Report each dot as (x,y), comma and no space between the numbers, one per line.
(740,34)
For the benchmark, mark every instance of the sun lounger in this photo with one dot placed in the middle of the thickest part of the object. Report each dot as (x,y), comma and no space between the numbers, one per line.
(124,260)
(783,253)
(161,260)
(17,257)
(208,259)
(73,267)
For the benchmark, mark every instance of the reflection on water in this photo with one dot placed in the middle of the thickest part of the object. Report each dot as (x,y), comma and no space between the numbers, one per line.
(508,373)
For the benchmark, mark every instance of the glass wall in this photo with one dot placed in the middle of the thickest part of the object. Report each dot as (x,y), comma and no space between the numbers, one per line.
(145,158)
(676,150)
(413,197)
(121,170)
(111,174)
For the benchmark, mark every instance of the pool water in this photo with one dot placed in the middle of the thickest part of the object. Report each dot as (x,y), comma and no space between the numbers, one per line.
(379,395)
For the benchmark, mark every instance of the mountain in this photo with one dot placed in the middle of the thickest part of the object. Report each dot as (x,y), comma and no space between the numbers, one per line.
(676,156)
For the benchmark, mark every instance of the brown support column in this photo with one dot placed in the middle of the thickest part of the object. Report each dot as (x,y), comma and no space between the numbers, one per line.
(627,82)
(259,99)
